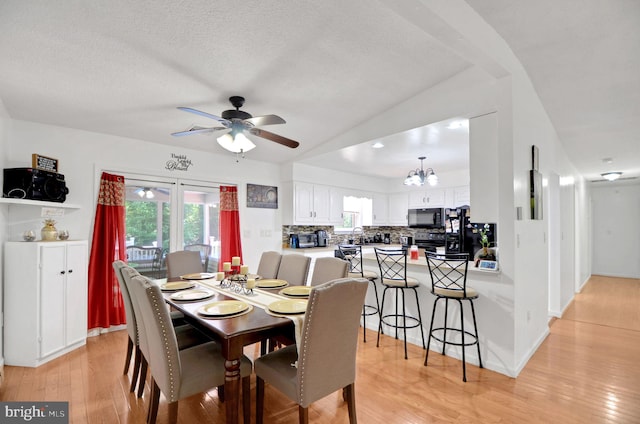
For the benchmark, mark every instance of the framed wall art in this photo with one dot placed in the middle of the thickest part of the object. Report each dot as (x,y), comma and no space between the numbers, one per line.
(260,196)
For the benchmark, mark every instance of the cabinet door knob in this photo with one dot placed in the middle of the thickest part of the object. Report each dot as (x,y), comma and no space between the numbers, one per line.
(62,272)
(70,271)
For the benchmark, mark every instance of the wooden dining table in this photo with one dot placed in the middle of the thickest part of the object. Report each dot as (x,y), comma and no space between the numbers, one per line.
(234,334)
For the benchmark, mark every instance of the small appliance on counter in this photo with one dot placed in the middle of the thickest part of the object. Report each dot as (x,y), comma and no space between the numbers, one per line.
(322,238)
(294,243)
(406,241)
(377,238)
(306,240)
(387,238)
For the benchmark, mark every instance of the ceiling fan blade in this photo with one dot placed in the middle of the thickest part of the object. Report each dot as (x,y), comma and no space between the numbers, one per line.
(197,130)
(223,121)
(274,137)
(258,121)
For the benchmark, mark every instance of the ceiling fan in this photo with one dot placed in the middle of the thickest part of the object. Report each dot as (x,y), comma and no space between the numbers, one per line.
(235,123)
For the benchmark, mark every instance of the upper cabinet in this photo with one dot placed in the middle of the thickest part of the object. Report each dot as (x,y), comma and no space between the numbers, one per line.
(398,205)
(461,196)
(317,204)
(380,209)
(427,198)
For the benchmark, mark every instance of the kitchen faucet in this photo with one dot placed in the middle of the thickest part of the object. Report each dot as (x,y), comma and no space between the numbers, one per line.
(353,234)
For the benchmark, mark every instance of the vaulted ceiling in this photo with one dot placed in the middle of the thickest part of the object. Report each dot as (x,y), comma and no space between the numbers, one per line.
(122,68)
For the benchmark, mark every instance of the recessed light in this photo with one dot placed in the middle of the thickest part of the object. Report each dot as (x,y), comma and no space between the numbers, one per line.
(611,176)
(458,124)
(377,145)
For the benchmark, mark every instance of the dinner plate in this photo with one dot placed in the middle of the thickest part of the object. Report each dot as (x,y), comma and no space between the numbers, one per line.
(223,308)
(194,294)
(296,291)
(269,283)
(198,276)
(177,285)
(289,307)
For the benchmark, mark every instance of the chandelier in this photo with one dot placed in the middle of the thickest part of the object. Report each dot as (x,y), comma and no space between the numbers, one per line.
(419,176)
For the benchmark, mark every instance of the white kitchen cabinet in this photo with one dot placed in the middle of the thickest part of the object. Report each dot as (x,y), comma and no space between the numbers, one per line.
(380,209)
(398,205)
(336,205)
(316,204)
(45,300)
(461,196)
(427,198)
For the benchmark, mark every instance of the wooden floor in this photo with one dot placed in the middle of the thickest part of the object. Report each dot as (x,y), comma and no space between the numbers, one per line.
(586,371)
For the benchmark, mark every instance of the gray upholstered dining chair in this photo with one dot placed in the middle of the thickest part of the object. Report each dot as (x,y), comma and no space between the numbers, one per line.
(269,264)
(132,330)
(186,335)
(177,373)
(294,268)
(205,253)
(330,330)
(183,262)
(327,269)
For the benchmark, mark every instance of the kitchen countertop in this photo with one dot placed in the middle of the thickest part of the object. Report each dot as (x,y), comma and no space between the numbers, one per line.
(331,248)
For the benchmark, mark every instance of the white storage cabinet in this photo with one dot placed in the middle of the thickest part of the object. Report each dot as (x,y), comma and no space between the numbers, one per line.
(45,300)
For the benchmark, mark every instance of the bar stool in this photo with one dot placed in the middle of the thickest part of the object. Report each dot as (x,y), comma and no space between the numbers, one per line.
(393,270)
(449,282)
(352,253)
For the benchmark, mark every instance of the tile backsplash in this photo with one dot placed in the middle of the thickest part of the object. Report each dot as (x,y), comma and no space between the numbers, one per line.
(368,232)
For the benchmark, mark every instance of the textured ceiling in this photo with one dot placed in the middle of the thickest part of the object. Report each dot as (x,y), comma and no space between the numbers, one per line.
(122,68)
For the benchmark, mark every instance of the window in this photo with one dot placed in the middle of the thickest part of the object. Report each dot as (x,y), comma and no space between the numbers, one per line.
(357,212)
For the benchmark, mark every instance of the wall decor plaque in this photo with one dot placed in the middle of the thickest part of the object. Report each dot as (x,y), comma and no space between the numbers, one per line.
(259,196)
(44,163)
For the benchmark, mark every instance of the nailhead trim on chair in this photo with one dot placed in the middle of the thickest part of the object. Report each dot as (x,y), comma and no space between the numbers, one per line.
(173,395)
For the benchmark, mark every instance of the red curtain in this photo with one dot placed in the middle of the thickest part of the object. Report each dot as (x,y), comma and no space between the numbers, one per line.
(230,244)
(105,299)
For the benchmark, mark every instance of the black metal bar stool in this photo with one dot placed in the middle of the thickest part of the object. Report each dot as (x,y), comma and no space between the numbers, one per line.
(353,254)
(449,282)
(393,273)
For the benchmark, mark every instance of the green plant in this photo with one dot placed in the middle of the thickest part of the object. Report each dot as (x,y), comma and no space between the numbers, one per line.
(484,239)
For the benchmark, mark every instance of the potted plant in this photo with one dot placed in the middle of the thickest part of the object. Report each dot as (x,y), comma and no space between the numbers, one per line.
(486,253)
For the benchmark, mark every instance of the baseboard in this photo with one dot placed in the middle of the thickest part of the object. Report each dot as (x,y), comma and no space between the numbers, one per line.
(531,352)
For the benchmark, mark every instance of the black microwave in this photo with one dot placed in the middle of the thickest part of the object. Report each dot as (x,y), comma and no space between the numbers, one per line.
(426,218)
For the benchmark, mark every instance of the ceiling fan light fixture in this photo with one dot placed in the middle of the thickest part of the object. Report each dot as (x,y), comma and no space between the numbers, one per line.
(611,176)
(238,143)
(145,193)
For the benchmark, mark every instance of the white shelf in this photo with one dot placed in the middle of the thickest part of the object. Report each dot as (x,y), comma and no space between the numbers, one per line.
(28,202)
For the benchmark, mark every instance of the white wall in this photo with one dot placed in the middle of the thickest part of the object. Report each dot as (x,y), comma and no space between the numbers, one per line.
(616,229)
(4,124)
(83,155)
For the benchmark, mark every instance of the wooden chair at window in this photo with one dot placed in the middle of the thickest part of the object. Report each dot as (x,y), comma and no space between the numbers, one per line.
(205,253)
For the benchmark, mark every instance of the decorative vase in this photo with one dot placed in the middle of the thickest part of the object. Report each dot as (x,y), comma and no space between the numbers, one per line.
(49,232)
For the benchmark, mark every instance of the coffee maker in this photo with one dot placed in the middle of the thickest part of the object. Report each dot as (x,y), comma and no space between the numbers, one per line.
(387,238)
(323,238)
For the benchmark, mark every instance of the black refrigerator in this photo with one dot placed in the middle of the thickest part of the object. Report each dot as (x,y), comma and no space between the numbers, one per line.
(455,222)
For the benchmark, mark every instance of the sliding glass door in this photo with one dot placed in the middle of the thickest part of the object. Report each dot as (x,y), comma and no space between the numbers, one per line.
(200,219)
(169,215)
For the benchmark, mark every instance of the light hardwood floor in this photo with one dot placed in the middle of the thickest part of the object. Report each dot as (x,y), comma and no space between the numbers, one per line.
(586,371)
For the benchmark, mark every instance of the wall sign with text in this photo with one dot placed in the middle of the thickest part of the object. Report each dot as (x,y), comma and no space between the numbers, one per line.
(44,163)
